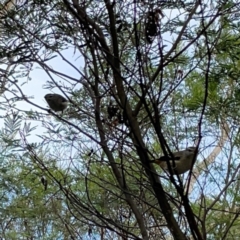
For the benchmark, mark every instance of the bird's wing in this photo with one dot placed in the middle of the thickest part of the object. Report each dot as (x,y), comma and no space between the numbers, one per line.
(165,159)
(177,156)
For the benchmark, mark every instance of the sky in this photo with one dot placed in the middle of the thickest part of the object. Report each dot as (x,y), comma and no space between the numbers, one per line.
(39,77)
(35,87)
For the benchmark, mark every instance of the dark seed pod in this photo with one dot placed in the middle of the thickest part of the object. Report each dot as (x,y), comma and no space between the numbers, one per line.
(122,118)
(90,153)
(44,183)
(151,28)
(112,111)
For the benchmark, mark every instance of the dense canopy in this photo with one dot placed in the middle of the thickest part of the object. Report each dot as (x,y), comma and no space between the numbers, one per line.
(137,80)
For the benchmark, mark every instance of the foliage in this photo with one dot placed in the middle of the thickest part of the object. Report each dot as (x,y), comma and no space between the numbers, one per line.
(169,69)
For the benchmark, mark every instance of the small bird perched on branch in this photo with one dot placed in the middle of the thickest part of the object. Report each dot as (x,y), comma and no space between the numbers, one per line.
(56,102)
(181,162)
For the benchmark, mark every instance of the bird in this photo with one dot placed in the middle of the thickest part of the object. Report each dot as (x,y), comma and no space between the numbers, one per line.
(56,102)
(180,161)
